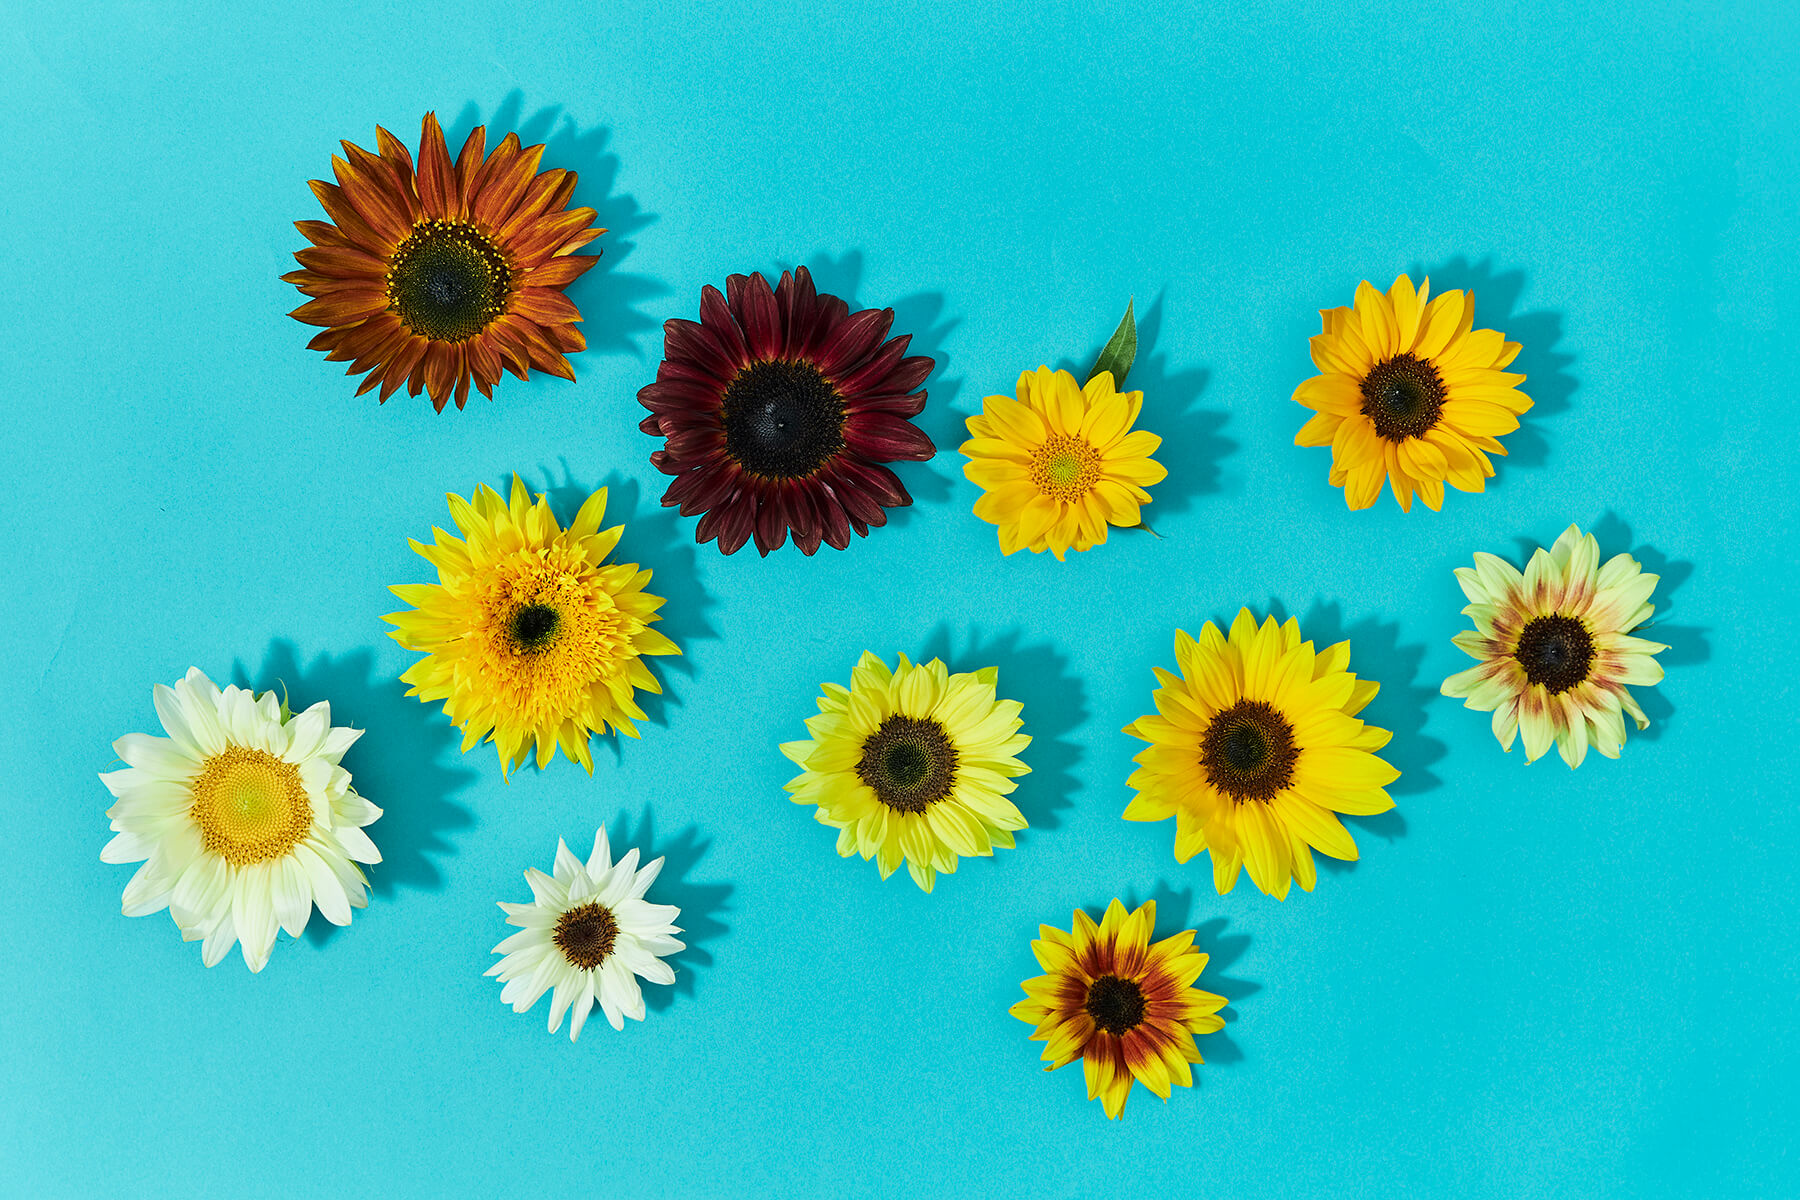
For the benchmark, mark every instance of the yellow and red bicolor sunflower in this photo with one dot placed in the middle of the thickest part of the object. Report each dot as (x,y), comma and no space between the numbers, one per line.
(446,273)
(1128,1009)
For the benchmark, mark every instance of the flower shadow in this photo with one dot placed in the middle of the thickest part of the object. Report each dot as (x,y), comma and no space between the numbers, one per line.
(702,904)
(1038,677)
(922,315)
(1687,644)
(1547,378)
(405,763)
(609,299)
(1192,446)
(1173,915)
(652,539)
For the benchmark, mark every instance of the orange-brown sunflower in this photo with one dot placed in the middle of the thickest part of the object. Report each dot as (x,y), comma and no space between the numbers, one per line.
(446,273)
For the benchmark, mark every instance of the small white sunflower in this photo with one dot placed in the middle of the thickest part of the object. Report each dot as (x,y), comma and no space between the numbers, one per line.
(242,818)
(587,933)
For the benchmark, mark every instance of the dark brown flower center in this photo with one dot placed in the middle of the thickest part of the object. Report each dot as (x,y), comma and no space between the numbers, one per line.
(1117,1005)
(1248,751)
(447,281)
(532,627)
(783,419)
(1556,651)
(909,763)
(585,934)
(1402,397)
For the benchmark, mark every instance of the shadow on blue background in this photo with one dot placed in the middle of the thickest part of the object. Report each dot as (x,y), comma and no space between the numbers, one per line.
(608,298)
(1192,448)
(702,904)
(1547,378)
(406,762)
(1038,677)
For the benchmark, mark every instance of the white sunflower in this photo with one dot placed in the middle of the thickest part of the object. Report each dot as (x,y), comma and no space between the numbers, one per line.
(242,817)
(588,933)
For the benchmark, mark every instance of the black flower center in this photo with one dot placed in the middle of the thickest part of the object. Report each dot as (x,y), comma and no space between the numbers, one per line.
(1117,1005)
(1402,397)
(783,420)
(1555,651)
(1248,751)
(533,626)
(909,763)
(585,934)
(447,281)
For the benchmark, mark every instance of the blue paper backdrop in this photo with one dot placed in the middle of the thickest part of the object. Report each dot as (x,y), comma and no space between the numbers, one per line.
(1534,983)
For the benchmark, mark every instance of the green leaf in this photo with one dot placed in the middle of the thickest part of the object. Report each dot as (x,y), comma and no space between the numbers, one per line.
(1120,351)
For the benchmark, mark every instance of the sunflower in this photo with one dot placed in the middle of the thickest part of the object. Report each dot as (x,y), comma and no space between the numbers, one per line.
(777,411)
(1252,749)
(1555,647)
(530,634)
(1128,1009)
(242,818)
(587,934)
(1409,392)
(1061,463)
(914,764)
(451,272)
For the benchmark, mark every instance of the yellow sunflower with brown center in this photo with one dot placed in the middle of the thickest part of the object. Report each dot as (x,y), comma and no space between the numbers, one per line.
(1409,393)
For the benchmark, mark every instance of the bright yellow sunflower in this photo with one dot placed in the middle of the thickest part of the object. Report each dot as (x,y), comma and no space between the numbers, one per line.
(913,764)
(1060,463)
(1410,393)
(1254,747)
(1128,1009)
(530,635)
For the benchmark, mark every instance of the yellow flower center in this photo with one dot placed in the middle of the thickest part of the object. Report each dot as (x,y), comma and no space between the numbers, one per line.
(547,634)
(250,806)
(1065,468)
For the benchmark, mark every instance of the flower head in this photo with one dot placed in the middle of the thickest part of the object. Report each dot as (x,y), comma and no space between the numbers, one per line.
(777,410)
(1254,747)
(913,765)
(1128,1009)
(530,635)
(242,818)
(445,273)
(1409,393)
(1060,463)
(588,933)
(1555,647)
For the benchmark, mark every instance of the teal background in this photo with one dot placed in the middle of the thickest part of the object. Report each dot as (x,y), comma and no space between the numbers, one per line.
(1535,982)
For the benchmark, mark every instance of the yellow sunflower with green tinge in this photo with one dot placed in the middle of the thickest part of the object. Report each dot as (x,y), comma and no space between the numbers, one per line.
(913,764)
(531,637)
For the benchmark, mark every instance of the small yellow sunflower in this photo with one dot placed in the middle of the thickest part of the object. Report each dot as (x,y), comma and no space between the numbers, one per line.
(1254,747)
(1556,648)
(1060,463)
(913,764)
(530,635)
(1128,1009)
(1410,393)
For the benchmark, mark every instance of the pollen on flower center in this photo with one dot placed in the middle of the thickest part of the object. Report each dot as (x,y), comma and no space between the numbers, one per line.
(533,626)
(447,281)
(1556,651)
(1248,751)
(1065,467)
(585,934)
(1402,397)
(1117,1005)
(909,763)
(783,419)
(250,806)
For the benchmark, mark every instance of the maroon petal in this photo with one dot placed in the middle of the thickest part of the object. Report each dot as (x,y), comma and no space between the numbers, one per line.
(846,345)
(880,436)
(716,315)
(686,340)
(874,372)
(761,318)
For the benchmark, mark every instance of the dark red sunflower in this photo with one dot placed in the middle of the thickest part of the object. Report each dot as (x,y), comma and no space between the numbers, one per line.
(777,412)
(450,272)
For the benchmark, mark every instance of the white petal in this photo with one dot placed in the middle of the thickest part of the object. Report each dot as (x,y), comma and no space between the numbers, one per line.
(292,895)
(601,858)
(327,892)
(357,845)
